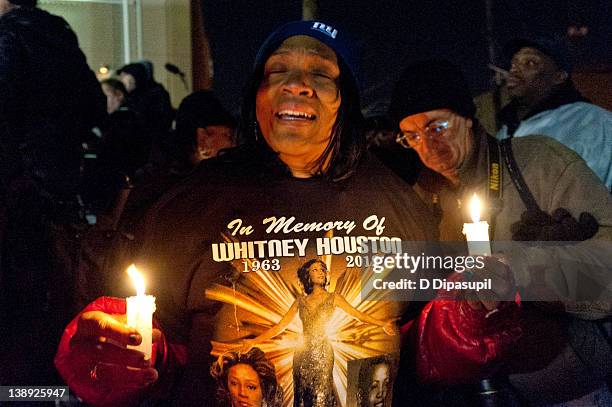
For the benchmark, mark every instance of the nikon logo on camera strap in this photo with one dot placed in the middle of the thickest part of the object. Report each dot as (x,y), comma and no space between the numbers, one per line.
(494,176)
(494,183)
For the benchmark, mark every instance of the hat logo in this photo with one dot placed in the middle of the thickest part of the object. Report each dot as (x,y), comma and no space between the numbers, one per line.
(325,29)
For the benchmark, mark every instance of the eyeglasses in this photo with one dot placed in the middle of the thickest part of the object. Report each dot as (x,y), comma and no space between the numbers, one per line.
(412,139)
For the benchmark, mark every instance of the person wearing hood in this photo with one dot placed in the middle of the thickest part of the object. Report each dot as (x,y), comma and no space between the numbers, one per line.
(544,100)
(49,101)
(150,99)
(49,97)
(123,149)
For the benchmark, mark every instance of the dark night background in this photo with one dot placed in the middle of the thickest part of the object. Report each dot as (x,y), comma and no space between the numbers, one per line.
(392,33)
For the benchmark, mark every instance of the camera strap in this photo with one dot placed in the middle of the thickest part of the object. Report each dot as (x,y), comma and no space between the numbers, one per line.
(497,150)
(516,175)
(494,182)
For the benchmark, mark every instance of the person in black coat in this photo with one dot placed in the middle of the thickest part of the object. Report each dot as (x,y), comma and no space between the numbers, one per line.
(49,100)
(123,149)
(150,99)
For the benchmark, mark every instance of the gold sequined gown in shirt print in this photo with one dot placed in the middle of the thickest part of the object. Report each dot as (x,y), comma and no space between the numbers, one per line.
(313,364)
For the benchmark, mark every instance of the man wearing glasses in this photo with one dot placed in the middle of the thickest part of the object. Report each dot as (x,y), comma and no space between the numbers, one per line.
(435,114)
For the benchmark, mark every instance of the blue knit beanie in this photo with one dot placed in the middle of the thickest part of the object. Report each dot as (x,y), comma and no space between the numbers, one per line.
(339,41)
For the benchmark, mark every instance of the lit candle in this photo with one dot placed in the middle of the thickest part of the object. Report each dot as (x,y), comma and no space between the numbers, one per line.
(140,309)
(477,233)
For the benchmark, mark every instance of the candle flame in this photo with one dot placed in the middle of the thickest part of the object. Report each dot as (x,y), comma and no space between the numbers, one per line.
(137,279)
(475,209)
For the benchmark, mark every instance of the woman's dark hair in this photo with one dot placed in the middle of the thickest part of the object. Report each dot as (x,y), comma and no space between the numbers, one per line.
(139,72)
(116,84)
(347,142)
(365,376)
(271,389)
(199,109)
(24,3)
(304,275)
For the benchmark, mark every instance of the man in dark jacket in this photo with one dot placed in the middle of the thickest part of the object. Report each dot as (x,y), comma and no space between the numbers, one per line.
(49,98)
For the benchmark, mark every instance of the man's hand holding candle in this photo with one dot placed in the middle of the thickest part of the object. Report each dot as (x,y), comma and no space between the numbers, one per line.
(503,286)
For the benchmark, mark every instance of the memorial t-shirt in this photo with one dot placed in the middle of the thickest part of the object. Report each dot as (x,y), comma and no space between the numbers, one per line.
(221,253)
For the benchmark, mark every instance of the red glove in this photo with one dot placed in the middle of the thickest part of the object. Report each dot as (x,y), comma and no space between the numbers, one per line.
(93,359)
(458,341)
(456,344)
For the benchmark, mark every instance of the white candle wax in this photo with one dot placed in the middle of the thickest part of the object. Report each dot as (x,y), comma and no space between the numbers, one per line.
(477,235)
(140,309)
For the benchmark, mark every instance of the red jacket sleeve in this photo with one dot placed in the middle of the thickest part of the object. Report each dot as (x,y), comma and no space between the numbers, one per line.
(75,368)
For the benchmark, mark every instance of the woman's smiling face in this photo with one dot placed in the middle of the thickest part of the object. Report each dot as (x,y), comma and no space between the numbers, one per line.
(298,99)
